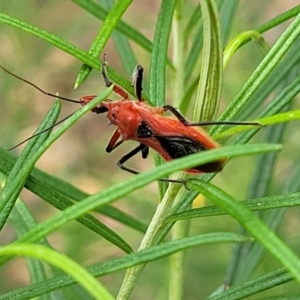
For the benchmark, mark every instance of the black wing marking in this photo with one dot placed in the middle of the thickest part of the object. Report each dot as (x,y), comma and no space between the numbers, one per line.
(144,130)
(178,147)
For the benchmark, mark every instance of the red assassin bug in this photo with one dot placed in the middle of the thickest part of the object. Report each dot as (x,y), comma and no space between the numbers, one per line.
(136,120)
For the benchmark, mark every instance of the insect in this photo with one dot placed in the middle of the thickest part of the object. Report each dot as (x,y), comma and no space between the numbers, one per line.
(147,125)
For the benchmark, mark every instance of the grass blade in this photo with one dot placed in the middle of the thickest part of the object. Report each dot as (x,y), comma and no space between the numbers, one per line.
(62,262)
(20,172)
(249,221)
(127,261)
(102,37)
(52,39)
(209,90)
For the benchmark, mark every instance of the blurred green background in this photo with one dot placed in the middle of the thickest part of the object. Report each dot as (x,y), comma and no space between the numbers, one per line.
(80,158)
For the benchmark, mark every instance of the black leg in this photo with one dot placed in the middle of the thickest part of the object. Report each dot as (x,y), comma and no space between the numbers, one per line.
(137,81)
(117,89)
(109,148)
(177,114)
(181,118)
(145,150)
(129,155)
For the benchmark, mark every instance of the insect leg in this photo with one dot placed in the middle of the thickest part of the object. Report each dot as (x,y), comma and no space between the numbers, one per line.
(113,144)
(182,119)
(117,89)
(177,114)
(137,81)
(145,150)
(129,155)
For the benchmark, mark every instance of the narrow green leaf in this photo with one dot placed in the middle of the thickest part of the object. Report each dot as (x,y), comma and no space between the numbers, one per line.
(121,42)
(20,172)
(159,53)
(238,40)
(281,18)
(194,53)
(22,221)
(271,120)
(261,185)
(63,262)
(272,108)
(119,190)
(252,223)
(53,40)
(56,190)
(53,137)
(261,72)
(188,95)
(103,35)
(64,127)
(194,19)
(122,27)
(254,286)
(276,79)
(69,122)
(273,23)
(20,176)
(130,260)
(285,97)
(257,204)
(40,186)
(210,83)
(227,13)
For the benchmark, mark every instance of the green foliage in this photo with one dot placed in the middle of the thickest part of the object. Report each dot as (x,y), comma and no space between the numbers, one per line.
(84,185)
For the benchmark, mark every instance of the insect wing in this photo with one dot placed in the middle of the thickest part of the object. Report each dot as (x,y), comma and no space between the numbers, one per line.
(172,139)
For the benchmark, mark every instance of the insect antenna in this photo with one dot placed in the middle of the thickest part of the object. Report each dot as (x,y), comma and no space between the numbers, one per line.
(254,123)
(182,119)
(43,131)
(38,88)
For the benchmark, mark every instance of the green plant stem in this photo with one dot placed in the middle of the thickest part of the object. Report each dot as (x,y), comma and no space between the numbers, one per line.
(155,225)
(177,232)
(176,262)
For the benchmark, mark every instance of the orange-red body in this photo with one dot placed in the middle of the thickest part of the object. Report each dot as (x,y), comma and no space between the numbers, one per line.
(136,120)
(128,116)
